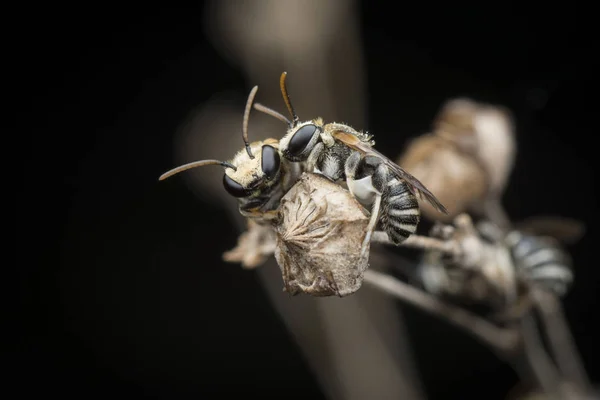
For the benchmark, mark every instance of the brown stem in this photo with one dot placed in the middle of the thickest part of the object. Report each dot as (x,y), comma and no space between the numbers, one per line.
(538,360)
(502,340)
(419,242)
(560,339)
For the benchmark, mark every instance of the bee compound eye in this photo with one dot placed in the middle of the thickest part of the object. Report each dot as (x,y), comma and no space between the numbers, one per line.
(270,161)
(301,139)
(234,188)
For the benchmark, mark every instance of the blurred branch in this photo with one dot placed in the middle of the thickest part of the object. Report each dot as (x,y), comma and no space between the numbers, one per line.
(500,339)
(538,360)
(512,344)
(560,339)
(520,340)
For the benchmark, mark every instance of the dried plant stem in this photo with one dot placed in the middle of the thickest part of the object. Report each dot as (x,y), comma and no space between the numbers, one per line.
(538,360)
(419,242)
(521,346)
(560,340)
(502,340)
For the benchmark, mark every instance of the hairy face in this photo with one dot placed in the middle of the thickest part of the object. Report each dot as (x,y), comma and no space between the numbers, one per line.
(253,172)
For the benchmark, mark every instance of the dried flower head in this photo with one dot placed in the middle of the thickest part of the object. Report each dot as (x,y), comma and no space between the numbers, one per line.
(320,231)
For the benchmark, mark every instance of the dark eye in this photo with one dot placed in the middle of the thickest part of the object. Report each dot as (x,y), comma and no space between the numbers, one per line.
(301,139)
(270,161)
(234,188)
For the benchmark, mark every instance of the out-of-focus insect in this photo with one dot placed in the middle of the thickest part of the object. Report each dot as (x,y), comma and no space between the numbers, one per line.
(505,260)
(256,176)
(343,154)
(541,259)
(466,159)
(537,250)
(478,273)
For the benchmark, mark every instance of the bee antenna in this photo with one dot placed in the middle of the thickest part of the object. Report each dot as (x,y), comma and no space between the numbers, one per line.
(246,118)
(194,165)
(286,98)
(272,113)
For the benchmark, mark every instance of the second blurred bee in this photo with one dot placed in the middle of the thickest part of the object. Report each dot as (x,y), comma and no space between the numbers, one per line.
(466,160)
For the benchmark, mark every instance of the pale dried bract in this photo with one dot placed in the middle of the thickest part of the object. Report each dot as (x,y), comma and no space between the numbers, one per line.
(320,230)
(254,246)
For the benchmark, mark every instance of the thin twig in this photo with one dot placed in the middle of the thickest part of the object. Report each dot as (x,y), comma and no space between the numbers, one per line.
(538,360)
(563,377)
(505,342)
(560,339)
(502,340)
(419,242)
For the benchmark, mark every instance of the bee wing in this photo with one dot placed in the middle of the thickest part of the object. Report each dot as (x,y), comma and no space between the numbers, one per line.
(564,229)
(354,142)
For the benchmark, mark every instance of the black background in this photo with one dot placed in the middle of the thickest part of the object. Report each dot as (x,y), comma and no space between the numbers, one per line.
(97,107)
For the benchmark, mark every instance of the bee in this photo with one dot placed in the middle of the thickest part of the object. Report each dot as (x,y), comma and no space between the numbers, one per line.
(341,153)
(466,159)
(256,176)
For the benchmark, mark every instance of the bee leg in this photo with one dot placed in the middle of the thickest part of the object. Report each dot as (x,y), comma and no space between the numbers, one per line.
(351,165)
(327,138)
(363,190)
(333,283)
(365,246)
(324,284)
(313,158)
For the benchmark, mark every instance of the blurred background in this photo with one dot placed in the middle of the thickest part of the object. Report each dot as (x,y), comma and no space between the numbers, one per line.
(122,286)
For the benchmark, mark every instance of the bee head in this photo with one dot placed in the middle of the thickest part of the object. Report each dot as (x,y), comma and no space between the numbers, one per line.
(253,174)
(252,170)
(297,144)
(301,137)
(255,169)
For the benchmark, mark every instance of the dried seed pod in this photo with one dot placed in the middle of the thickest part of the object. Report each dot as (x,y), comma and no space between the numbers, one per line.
(458,181)
(320,233)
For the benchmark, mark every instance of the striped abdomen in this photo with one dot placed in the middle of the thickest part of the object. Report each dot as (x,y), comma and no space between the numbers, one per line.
(541,261)
(400,212)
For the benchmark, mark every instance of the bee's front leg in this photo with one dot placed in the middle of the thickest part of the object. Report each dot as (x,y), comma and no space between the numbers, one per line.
(327,138)
(312,162)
